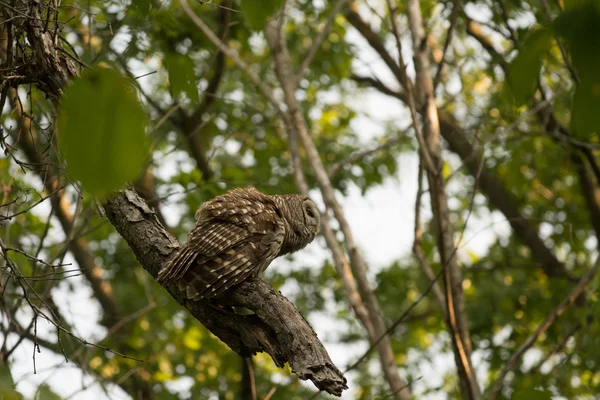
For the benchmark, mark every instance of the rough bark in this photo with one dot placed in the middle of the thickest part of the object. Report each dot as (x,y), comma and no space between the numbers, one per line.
(276,328)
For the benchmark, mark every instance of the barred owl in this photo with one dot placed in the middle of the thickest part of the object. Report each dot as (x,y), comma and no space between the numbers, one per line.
(236,236)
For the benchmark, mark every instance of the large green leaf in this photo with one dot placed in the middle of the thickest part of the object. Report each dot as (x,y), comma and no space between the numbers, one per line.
(525,68)
(102,131)
(181,75)
(258,11)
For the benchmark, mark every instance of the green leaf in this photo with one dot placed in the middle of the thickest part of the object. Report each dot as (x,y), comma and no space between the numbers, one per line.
(45,393)
(142,6)
(181,75)
(525,68)
(586,103)
(581,28)
(102,131)
(258,11)
(7,386)
(531,394)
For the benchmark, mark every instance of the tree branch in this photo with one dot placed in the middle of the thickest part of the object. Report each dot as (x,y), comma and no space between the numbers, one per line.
(456,313)
(317,42)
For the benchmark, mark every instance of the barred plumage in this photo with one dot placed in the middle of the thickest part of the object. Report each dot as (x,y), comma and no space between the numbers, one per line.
(236,236)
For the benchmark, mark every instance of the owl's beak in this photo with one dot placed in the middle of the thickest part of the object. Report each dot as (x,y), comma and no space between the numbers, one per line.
(316,228)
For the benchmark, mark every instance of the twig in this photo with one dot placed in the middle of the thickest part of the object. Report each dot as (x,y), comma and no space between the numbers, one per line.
(417,248)
(453,19)
(557,348)
(271,393)
(407,84)
(9,217)
(317,42)
(352,158)
(255,79)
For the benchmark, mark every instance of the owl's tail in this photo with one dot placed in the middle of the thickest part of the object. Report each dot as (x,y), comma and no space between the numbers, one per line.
(177,265)
(214,276)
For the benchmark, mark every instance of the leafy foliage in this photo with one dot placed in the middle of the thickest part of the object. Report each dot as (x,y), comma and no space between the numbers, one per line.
(204,142)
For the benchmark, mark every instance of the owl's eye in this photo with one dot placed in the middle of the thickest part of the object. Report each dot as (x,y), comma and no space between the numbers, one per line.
(310,213)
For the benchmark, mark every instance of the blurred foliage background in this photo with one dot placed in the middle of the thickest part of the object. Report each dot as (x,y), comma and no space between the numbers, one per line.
(520,85)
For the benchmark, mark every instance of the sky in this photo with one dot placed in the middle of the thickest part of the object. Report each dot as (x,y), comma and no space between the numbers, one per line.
(382,222)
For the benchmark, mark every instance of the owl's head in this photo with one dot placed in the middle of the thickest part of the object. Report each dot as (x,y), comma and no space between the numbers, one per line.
(303,218)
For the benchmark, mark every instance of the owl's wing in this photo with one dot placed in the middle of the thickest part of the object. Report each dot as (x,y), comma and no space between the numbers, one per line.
(206,240)
(212,276)
(232,239)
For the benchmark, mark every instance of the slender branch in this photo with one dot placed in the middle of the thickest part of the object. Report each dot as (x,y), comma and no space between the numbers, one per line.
(418,250)
(255,79)
(431,146)
(377,84)
(548,321)
(449,34)
(355,157)
(408,86)
(339,258)
(559,347)
(373,39)
(317,42)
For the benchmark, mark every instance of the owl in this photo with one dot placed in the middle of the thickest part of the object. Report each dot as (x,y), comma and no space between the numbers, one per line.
(236,236)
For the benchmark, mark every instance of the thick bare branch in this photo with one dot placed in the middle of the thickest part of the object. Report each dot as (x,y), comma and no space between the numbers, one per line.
(280,330)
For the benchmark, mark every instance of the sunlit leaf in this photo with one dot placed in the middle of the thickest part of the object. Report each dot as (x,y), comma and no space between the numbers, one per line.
(191,339)
(102,131)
